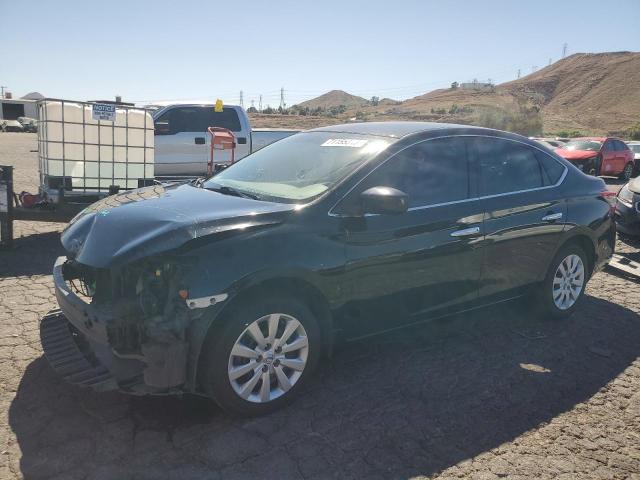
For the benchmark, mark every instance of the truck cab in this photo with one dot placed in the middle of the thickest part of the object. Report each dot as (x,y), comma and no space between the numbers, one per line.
(182,144)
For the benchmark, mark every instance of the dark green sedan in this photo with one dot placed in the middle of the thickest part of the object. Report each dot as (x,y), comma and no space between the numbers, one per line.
(235,287)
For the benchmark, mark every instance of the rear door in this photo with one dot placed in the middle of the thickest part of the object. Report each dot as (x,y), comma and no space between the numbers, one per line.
(426,258)
(180,141)
(525,213)
(609,161)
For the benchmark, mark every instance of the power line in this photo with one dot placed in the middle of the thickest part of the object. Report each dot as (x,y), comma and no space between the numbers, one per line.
(282,103)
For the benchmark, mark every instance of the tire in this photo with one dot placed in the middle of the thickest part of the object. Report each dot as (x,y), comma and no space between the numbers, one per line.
(550,300)
(627,173)
(238,329)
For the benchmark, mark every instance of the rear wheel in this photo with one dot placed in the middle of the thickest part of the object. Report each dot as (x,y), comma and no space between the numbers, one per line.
(627,173)
(565,282)
(258,360)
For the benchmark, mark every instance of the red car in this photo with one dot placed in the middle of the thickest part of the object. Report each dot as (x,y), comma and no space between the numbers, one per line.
(600,156)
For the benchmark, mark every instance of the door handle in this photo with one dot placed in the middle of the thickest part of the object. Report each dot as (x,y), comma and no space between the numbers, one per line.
(199,140)
(467,232)
(552,217)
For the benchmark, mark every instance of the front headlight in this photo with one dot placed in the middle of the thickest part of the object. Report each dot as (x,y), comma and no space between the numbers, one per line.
(626,195)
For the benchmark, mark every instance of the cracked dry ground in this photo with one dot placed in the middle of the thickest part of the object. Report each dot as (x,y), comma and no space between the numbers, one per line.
(496,393)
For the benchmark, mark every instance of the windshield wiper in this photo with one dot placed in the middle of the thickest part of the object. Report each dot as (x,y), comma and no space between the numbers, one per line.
(225,190)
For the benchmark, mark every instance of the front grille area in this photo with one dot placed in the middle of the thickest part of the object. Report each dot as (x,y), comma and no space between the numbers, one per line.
(66,358)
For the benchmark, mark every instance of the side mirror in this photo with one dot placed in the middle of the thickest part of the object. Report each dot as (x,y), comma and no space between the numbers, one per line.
(384,200)
(162,128)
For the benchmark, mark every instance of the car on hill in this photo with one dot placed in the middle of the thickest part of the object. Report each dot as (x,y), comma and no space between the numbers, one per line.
(606,156)
(236,287)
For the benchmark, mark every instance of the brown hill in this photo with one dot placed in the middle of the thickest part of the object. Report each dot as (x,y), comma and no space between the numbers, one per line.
(597,92)
(593,93)
(334,98)
(589,92)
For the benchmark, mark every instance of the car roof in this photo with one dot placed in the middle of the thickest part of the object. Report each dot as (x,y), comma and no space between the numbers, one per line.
(392,129)
(597,139)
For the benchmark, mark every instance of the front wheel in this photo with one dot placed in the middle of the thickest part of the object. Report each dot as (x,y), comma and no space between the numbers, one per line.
(261,354)
(565,282)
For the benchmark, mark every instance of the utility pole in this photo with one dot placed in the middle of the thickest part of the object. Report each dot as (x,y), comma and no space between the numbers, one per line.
(282,104)
(549,61)
(564,50)
(2,88)
(518,73)
(260,104)
(241,99)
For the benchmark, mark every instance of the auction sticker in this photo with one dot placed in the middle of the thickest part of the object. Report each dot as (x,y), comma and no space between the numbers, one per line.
(344,142)
(103,111)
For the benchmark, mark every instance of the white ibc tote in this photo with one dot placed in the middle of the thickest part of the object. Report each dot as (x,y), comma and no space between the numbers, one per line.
(86,156)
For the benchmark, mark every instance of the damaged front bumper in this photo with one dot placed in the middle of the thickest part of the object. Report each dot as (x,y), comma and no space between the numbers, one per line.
(76,341)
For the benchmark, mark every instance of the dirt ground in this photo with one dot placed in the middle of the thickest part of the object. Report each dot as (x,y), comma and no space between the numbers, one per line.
(496,393)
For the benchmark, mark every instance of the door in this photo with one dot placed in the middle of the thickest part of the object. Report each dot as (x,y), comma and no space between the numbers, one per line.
(609,162)
(621,156)
(524,215)
(183,145)
(425,259)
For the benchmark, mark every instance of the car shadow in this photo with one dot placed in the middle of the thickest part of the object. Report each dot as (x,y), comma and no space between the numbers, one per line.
(32,254)
(398,405)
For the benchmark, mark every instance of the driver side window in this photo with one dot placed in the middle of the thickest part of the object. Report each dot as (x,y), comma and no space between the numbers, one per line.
(430,173)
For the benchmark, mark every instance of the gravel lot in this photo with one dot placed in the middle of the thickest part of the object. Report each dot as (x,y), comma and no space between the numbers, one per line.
(494,394)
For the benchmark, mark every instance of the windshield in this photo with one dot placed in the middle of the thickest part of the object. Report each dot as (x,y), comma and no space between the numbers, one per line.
(588,145)
(299,168)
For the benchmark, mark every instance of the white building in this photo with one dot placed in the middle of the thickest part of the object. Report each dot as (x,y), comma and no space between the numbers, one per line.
(11,109)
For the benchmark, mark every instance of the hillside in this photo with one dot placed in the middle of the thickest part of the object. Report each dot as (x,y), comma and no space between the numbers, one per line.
(334,98)
(593,93)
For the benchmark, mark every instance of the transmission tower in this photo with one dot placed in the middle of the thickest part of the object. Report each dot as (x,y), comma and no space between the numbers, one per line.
(241,99)
(282,104)
(518,73)
(260,104)
(564,50)
(253,104)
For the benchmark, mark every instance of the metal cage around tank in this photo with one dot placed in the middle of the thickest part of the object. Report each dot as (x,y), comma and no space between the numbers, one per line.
(80,155)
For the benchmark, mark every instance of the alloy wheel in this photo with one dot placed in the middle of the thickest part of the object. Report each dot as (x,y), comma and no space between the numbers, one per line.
(268,358)
(568,282)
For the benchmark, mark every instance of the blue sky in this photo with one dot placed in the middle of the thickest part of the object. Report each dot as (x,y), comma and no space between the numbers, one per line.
(152,50)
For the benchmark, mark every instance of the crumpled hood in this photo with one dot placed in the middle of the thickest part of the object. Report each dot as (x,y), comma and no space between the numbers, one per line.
(139,223)
(576,154)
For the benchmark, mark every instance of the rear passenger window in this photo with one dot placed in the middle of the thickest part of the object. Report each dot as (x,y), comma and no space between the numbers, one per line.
(431,172)
(620,146)
(198,119)
(506,166)
(552,170)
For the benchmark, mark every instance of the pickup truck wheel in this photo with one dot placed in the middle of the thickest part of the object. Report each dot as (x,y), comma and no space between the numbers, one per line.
(261,356)
(627,173)
(563,287)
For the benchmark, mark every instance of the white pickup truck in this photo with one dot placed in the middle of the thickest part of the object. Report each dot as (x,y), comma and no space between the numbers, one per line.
(182,143)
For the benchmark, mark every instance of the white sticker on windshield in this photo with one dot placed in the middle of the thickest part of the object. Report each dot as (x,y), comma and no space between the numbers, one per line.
(344,142)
